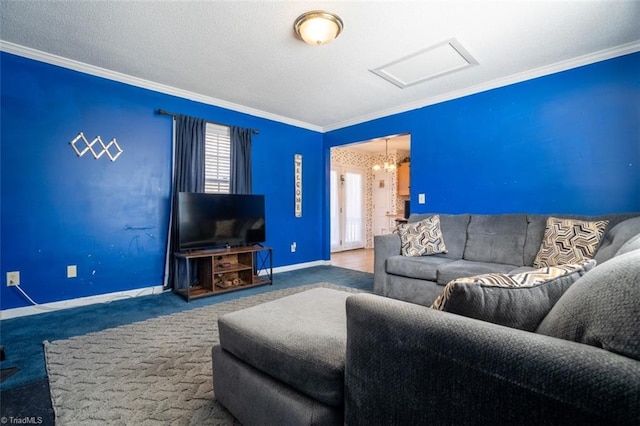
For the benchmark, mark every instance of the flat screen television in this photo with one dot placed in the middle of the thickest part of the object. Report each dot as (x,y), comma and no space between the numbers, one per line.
(217,220)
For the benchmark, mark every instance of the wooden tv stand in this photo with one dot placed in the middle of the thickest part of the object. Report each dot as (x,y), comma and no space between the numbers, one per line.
(209,272)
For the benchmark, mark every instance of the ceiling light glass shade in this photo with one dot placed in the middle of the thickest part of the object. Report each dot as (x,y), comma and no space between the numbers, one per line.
(318,27)
(388,167)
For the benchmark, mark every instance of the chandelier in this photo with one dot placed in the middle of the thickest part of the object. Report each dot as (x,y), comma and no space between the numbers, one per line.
(388,167)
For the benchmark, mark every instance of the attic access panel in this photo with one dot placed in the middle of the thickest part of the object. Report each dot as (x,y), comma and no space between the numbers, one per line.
(435,61)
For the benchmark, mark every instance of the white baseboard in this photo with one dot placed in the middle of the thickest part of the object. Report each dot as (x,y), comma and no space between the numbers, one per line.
(81,301)
(111,297)
(304,265)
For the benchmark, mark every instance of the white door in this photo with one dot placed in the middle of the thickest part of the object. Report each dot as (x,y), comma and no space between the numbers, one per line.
(347,208)
(335,210)
(381,203)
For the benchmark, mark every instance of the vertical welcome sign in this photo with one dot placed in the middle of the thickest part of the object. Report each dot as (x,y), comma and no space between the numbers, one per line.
(297,166)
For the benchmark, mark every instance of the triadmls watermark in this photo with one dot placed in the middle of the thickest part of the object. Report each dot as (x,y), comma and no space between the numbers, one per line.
(25,420)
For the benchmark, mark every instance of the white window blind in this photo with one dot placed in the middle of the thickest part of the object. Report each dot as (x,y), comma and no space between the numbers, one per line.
(217,163)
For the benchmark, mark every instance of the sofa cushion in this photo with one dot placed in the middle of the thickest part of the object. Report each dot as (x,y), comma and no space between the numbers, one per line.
(537,223)
(454,231)
(513,300)
(521,269)
(424,267)
(496,239)
(422,238)
(569,241)
(631,245)
(601,309)
(299,340)
(466,268)
(615,237)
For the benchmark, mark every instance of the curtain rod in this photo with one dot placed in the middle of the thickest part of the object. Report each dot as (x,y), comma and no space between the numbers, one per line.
(163,112)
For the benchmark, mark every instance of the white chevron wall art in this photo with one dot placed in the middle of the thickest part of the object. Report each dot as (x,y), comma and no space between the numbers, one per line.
(100,147)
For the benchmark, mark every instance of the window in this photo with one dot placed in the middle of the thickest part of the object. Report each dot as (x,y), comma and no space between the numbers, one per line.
(217,159)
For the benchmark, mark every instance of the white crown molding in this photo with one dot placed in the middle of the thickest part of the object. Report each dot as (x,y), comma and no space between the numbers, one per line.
(60,61)
(591,58)
(157,87)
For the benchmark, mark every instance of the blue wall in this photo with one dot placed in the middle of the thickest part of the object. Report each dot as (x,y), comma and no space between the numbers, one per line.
(564,143)
(111,218)
(568,142)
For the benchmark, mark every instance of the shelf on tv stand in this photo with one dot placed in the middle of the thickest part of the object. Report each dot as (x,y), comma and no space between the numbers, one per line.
(205,273)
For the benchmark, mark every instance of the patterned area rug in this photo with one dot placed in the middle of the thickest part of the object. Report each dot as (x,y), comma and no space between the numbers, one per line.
(151,372)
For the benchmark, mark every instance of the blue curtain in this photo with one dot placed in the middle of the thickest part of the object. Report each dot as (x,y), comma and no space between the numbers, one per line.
(189,155)
(241,178)
(188,176)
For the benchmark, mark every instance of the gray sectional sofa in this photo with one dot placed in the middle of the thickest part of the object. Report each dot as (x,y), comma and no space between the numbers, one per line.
(407,364)
(478,244)
(330,357)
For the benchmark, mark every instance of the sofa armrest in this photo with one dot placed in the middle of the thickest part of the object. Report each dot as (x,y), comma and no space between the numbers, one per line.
(384,246)
(407,364)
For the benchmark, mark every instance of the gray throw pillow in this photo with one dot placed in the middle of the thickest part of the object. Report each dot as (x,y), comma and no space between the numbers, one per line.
(517,301)
(602,308)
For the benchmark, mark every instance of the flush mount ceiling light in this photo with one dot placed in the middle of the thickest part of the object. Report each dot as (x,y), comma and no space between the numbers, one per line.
(318,27)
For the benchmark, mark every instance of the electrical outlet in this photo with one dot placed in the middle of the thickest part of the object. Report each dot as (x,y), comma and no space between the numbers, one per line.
(293,247)
(13,278)
(72,271)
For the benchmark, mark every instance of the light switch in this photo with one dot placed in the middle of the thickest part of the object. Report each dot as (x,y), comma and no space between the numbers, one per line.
(422,198)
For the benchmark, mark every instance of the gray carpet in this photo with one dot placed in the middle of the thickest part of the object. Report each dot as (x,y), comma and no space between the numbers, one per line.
(152,372)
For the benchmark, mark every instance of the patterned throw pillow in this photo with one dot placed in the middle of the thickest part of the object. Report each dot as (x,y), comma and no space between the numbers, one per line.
(519,301)
(569,241)
(422,238)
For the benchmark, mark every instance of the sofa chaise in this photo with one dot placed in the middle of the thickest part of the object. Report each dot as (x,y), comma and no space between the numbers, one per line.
(408,364)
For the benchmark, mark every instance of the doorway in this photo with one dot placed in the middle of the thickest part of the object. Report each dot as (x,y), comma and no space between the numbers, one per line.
(363,156)
(347,208)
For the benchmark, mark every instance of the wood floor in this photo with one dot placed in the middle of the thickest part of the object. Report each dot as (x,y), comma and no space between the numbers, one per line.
(360,260)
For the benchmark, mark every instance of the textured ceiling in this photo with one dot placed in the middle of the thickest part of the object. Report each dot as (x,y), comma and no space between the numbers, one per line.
(245,56)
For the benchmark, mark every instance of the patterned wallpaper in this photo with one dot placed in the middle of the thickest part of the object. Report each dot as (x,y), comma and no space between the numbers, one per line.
(365,161)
